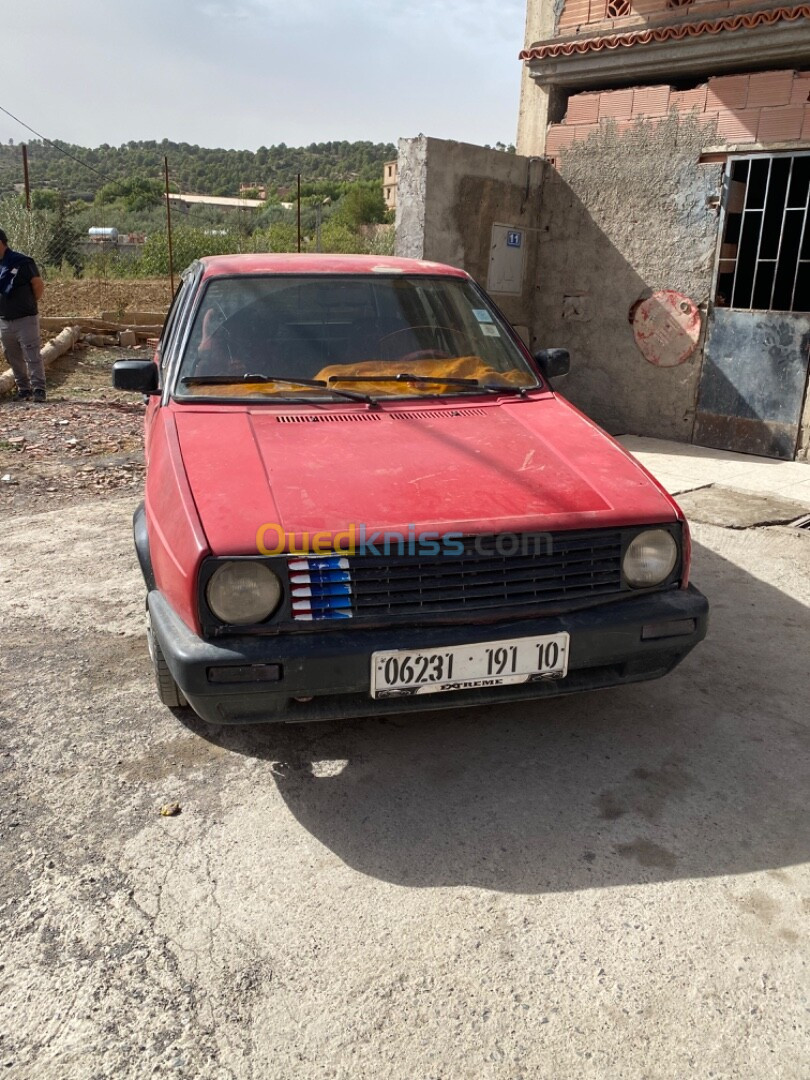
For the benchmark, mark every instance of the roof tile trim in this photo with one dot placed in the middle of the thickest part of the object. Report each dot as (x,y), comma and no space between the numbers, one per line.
(551,50)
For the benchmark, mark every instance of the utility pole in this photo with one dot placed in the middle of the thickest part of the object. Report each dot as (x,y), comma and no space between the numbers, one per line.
(299,213)
(26,178)
(169,222)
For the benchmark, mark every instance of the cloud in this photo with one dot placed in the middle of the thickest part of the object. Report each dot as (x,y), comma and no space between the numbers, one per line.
(264,71)
(219,11)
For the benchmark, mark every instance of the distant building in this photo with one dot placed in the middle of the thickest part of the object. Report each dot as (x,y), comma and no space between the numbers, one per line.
(260,189)
(215,200)
(390,170)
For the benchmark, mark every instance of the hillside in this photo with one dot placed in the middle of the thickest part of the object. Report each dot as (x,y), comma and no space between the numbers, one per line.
(193,168)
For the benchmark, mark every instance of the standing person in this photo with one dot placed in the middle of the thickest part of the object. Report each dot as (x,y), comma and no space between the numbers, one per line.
(20,289)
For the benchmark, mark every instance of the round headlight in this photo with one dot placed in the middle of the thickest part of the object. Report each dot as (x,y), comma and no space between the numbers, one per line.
(242,593)
(650,558)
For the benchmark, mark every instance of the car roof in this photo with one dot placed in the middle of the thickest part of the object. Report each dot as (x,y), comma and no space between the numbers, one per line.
(221,265)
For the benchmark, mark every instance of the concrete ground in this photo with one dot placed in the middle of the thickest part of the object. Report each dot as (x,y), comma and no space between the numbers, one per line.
(683,467)
(610,885)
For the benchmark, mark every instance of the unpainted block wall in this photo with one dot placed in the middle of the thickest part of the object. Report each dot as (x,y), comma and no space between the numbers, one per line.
(631,213)
(411,197)
(765,109)
(586,16)
(450,195)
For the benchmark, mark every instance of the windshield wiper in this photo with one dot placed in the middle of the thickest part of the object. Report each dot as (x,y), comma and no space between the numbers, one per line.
(495,388)
(404,376)
(231,380)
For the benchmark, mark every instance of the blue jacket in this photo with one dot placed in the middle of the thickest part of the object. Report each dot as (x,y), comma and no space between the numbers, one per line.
(10,266)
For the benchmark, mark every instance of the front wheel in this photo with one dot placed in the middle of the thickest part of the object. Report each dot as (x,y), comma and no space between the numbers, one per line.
(169,692)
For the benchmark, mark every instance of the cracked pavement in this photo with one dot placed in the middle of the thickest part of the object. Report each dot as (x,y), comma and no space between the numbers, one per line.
(613,884)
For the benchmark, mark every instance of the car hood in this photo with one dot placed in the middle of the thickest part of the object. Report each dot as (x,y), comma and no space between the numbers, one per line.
(506,466)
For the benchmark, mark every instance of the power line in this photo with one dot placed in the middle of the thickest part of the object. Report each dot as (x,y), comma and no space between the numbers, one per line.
(67,154)
(56,146)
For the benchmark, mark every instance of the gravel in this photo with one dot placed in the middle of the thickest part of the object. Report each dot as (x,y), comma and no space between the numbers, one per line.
(614,884)
(607,885)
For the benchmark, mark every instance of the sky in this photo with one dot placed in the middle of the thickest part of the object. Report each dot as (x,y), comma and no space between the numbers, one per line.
(251,73)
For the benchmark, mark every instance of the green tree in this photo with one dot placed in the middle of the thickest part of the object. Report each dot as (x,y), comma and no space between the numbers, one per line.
(363,204)
(27,230)
(76,170)
(340,239)
(135,194)
(188,244)
(46,199)
(277,237)
(63,242)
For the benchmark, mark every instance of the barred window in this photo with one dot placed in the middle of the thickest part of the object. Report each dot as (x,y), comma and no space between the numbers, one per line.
(764,260)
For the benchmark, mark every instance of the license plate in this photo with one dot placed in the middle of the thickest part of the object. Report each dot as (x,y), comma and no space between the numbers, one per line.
(405,673)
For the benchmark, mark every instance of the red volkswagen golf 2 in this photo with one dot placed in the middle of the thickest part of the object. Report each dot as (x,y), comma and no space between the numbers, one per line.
(364,496)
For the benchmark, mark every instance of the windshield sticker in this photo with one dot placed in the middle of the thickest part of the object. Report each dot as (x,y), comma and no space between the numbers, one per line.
(490,331)
(482,315)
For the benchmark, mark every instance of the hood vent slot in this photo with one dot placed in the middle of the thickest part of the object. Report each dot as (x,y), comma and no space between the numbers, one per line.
(326,418)
(436,414)
(365,417)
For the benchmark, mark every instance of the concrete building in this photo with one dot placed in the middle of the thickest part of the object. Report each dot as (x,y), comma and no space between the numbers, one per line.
(259,189)
(660,200)
(216,200)
(390,184)
(708,104)
(579,45)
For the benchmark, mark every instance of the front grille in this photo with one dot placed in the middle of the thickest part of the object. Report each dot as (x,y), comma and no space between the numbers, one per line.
(496,572)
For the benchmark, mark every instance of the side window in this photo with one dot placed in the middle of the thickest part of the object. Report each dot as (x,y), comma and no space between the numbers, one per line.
(175,322)
(170,323)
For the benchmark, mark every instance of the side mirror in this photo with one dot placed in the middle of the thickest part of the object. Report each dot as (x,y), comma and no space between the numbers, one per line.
(553,362)
(138,375)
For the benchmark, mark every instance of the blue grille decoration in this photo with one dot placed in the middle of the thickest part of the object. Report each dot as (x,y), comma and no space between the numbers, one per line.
(321,588)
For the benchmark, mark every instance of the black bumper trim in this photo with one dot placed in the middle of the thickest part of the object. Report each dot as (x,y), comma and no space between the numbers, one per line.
(142,546)
(334,669)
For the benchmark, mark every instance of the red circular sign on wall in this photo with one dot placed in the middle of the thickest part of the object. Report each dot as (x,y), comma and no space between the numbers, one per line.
(666,327)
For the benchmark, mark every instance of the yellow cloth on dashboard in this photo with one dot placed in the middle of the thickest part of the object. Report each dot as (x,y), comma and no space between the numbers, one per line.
(461,367)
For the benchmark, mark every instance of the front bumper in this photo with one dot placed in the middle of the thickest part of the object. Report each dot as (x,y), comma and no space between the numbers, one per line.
(332,668)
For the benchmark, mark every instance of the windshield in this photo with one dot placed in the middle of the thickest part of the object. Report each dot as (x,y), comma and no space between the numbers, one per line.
(386,336)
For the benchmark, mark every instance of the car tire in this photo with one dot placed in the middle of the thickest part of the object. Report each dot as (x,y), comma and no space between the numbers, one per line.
(169,692)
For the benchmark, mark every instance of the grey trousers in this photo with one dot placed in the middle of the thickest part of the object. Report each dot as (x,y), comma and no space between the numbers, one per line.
(20,339)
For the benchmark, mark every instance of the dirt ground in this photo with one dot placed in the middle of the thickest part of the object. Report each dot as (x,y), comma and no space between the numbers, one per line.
(91,297)
(608,885)
(87,438)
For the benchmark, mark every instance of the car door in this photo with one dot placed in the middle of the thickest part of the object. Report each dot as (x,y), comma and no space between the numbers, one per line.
(173,333)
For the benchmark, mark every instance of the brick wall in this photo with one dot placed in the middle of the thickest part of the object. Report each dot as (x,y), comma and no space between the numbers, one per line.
(764,108)
(588,15)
